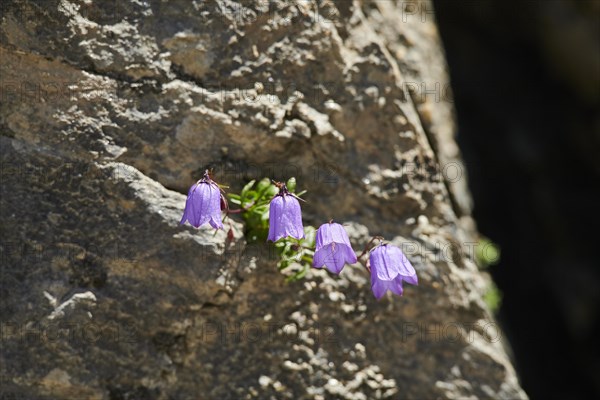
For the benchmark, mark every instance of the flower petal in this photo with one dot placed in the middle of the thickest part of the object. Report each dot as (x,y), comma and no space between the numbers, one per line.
(193,204)
(338,234)
(326,256)
(336,260)
(405,268)
(214,209)
(203,205)
(334,256)
(319,258)
(187,211)
(275,219)
(216,223)
(293,220)
(396,286)
(323,236)
(412,279)
(285,218)
(349,254)
(378,287)
(381,263)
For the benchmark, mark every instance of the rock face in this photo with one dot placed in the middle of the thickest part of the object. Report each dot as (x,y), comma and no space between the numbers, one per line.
(110,110)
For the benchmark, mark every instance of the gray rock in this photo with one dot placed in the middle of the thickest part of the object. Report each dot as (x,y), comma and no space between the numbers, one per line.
(111,110)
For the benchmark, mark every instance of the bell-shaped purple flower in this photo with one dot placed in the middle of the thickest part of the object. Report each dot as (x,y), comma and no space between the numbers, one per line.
(333,248)
(203,204)
(285,218)
(389,267)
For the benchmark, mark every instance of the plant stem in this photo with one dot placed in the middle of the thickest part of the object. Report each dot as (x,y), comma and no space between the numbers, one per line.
(368,244)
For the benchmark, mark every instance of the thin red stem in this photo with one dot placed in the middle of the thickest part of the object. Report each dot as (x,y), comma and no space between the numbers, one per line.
(368,244)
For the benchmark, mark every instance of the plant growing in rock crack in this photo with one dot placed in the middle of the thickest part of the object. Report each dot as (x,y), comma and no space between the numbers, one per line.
(272,212)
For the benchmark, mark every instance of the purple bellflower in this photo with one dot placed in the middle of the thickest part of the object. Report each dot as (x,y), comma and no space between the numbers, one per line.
(389,267)
(285,218)
(203,204)
(333,248)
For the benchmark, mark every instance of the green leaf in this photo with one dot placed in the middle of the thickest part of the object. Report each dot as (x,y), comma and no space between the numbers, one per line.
(248,187)
(307,259)
(251,196)
(263,185)
(271,192)
(298,275)
(283,264)
(493,297)
(487,253)
(291,184)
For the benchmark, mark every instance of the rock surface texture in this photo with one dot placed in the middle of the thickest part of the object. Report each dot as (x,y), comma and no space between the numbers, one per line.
(111,109)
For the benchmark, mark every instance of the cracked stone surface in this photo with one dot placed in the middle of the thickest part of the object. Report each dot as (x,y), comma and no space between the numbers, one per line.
(111,110)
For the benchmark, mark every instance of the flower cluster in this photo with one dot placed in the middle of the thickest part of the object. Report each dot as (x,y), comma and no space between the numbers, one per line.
(388,266)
